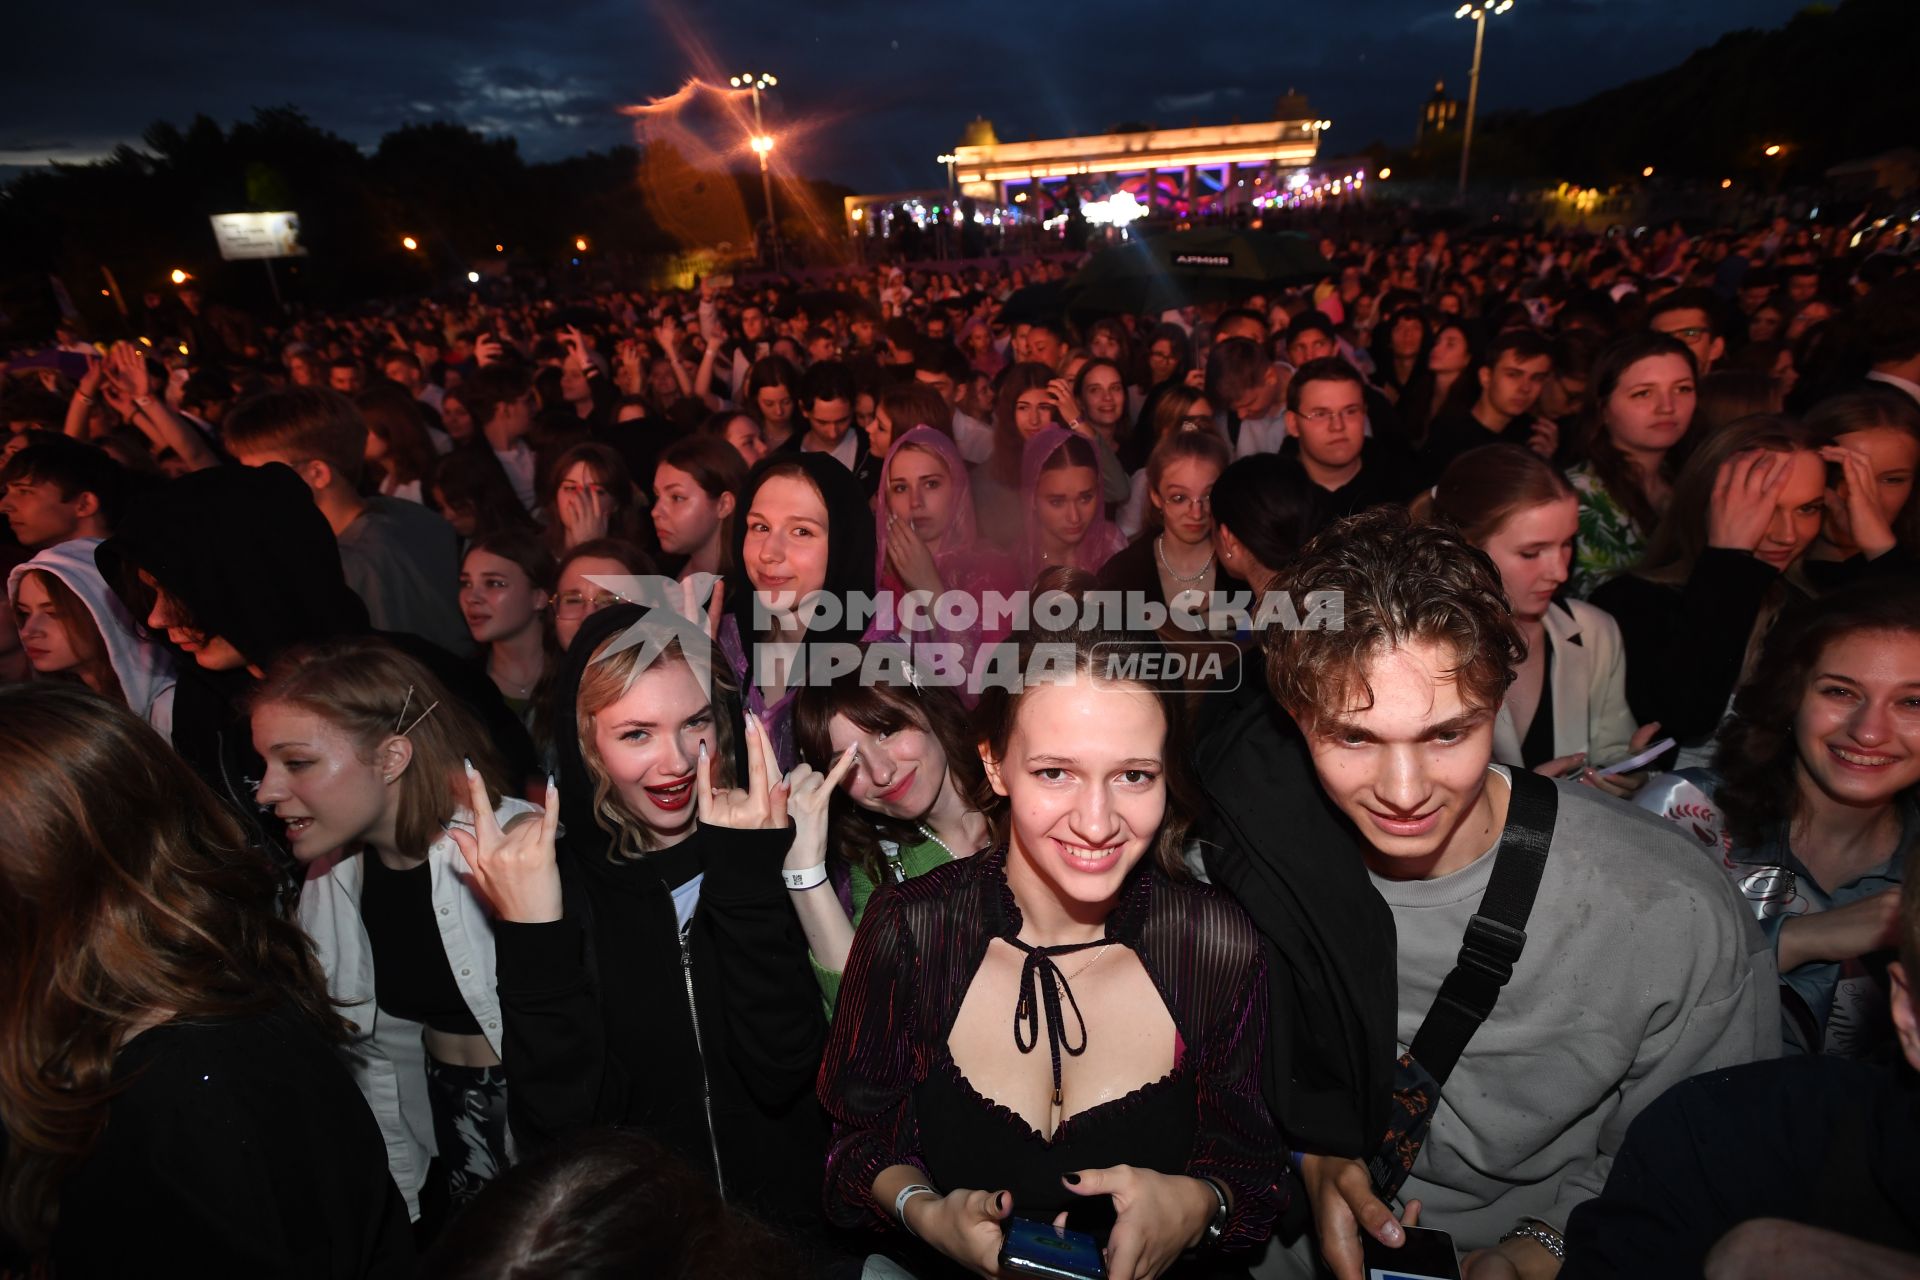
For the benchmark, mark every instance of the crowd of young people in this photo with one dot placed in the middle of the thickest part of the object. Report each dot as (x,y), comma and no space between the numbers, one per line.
(1484,910)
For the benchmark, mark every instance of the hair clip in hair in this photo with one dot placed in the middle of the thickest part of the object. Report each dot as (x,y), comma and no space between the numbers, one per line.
(417,719)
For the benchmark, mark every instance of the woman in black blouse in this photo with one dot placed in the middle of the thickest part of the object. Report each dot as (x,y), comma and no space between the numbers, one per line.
(170,1102)
(1125,1098)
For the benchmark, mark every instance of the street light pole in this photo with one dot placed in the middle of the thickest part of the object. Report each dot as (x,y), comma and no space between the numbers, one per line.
(1478,11)
(762,144)
(948,159)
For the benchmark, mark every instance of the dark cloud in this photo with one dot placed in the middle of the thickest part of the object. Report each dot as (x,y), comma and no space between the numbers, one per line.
(870,91)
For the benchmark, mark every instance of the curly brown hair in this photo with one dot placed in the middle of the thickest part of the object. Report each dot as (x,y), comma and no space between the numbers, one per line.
(127,893)
(1399,582)
(1755,754)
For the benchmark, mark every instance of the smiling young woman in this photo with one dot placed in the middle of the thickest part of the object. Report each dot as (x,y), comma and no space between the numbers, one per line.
(804,543)
(651,972)
(1127,1098)
(1817,779)
(912,797)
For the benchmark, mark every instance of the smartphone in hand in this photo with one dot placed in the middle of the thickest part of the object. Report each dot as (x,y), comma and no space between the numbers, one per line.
(1426,1255)
(1043,1250)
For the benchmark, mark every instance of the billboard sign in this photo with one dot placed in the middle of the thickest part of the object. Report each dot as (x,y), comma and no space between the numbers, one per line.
(258,235)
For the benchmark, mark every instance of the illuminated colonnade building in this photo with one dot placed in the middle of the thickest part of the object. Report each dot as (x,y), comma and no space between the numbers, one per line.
(1193,172)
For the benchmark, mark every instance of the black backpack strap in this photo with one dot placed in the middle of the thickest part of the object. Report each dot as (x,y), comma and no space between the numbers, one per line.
(1498,931)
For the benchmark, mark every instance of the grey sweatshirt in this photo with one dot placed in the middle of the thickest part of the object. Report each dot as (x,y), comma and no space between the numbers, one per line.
(1642,967)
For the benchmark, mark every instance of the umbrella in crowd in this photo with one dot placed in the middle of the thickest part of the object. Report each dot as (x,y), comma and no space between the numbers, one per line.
(1183,267)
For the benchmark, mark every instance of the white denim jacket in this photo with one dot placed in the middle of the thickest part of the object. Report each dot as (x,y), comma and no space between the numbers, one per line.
(388,1056)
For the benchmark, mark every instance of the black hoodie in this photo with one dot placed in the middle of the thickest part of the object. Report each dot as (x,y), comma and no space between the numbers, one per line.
(600,1005)
(1294,862)
(252,560)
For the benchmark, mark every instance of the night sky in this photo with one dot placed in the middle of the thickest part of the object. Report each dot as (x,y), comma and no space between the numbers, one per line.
(870,90)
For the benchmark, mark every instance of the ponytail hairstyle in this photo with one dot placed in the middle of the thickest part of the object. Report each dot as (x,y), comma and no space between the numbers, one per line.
(1486,486)
(1186,442)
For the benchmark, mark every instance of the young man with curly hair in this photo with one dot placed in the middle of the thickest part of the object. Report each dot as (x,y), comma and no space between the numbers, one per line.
(1604,957)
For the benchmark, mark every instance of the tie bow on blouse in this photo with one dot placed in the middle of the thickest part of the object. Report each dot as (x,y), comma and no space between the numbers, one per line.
(1041,986)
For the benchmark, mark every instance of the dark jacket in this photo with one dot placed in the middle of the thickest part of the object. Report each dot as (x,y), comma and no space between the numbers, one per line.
(1686,644)
(1816,1140)
(1136,567)
(238,1147)
(600,1006)
(1294,862)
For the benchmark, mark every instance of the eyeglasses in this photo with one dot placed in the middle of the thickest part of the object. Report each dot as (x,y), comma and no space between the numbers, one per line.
(1181,501)
(1321,417)
(578,604)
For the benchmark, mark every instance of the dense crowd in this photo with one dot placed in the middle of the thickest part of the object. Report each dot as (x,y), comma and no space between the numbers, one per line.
(557,785)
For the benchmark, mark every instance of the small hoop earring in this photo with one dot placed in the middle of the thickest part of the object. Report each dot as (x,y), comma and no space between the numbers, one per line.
(389,779)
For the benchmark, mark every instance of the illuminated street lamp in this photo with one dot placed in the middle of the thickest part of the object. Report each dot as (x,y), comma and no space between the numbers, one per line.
(1647,172)
(1773,149)
(579,244)
(762,143)
(1726,184)
(1386,173)
(1478,11)
(409,243)
(179,277)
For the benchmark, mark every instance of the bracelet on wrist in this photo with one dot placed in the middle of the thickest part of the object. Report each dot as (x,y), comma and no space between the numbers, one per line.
(805,877)
(907,1193)
(1541,1233)
(1217,1224)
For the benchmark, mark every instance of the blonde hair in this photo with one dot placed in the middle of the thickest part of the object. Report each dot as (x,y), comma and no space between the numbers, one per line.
(372,691)
(609,678)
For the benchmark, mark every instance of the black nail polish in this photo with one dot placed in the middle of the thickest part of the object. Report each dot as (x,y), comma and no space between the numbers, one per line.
(1071,1179)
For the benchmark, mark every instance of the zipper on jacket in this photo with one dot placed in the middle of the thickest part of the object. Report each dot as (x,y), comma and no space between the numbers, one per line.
(700,1051)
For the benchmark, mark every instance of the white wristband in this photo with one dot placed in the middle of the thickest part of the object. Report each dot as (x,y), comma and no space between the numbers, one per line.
(900,1203)
(806,877)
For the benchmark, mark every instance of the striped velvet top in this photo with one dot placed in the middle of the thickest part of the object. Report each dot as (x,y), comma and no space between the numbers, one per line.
(914,957)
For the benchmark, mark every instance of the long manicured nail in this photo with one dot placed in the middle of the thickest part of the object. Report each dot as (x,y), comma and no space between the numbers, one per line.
(703,748)
(468,763)
(551,786)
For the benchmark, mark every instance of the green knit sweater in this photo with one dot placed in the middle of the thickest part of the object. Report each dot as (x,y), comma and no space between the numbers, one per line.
(906,862)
